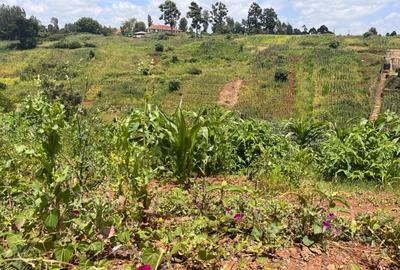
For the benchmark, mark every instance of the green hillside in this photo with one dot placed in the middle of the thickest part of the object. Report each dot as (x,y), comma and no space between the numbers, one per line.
(334,84)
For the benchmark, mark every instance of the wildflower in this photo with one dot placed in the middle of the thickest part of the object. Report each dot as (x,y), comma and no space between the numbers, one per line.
(160,219)
(325,225)
(228,210)
(237,217)
(144,267)
(331,216)
(75,213)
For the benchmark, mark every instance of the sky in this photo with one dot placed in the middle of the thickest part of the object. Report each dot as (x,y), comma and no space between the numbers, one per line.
(341,16)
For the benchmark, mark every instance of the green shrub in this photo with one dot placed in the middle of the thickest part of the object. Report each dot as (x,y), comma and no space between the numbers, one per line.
(91,55)
(159,47)
(174,85)
(3,86)
(334,44)
(5,104)
(89,45)
(281,75)
(175,59)
(194,71)
(68,44)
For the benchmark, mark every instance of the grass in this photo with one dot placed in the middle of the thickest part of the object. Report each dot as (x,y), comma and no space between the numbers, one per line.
(332,84)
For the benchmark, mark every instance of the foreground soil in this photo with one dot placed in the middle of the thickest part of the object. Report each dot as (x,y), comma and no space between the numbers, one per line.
(338,255)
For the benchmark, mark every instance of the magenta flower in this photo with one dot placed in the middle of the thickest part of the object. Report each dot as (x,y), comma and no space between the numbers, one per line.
(325,225)
(237,217)
(228,210)
(331,216)
(144,267)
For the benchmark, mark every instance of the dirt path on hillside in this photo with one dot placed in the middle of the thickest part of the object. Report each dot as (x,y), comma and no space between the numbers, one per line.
(378,98)
(230,93)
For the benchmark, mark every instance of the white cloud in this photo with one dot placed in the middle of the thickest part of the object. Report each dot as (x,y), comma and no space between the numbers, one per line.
(341,15)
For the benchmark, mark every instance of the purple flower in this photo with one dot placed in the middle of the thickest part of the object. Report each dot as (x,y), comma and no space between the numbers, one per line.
(144,267)
(237,217)
(325,225)
(331,216)
(228,210)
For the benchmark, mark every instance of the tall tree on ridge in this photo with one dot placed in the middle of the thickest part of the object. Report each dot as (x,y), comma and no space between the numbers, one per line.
(195,15)
(170,13)
(254,19)
(218,17)
(205,20)
(269,20)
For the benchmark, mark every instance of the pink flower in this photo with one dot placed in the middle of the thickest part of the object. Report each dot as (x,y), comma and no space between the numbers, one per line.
(325,225)
(228,210)
(331,216)
(237,217)
(144,267)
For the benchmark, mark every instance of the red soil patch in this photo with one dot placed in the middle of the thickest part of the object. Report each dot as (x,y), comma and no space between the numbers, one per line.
(369,203)
(229,94)
(87,103)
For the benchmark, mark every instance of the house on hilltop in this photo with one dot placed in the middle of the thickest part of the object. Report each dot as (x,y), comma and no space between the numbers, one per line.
(159,28)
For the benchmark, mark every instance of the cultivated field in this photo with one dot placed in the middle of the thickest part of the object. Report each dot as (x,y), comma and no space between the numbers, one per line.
(220,152)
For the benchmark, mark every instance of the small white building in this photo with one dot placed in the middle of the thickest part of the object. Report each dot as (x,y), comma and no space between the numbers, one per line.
(139,34)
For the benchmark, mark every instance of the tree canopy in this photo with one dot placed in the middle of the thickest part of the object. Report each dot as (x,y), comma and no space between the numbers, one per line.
(195,15)
(219,11)
(88,25)
(169,13)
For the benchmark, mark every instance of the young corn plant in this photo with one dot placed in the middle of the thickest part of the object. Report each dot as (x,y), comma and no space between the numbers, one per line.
(179,143)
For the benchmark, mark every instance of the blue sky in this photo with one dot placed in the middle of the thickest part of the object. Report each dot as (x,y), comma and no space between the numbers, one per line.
(343,16)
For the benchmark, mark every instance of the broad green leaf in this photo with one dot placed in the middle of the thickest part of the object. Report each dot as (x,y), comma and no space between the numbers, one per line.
(64,254)
(204,255)
(317,229)
(307,241)
(152,257)
(51,220)
(14,240)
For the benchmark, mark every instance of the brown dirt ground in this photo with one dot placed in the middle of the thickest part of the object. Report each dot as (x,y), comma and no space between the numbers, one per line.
(229,94)
(338,255)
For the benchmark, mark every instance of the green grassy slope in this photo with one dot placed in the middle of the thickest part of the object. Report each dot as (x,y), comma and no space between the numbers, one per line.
(335,84)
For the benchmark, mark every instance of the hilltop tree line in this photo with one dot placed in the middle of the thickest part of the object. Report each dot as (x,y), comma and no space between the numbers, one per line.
(14,24)
(259,20)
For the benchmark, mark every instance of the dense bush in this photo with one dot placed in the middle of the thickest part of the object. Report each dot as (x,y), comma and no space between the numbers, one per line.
(174,85)
(88,25)
(68,44)
(334,44)
(174,59)
(6,104)
(281,75)
(194,71)
(368,152)
(89,45)
(159,47)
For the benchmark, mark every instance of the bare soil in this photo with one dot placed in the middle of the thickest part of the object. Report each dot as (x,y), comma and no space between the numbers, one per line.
(229,94)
